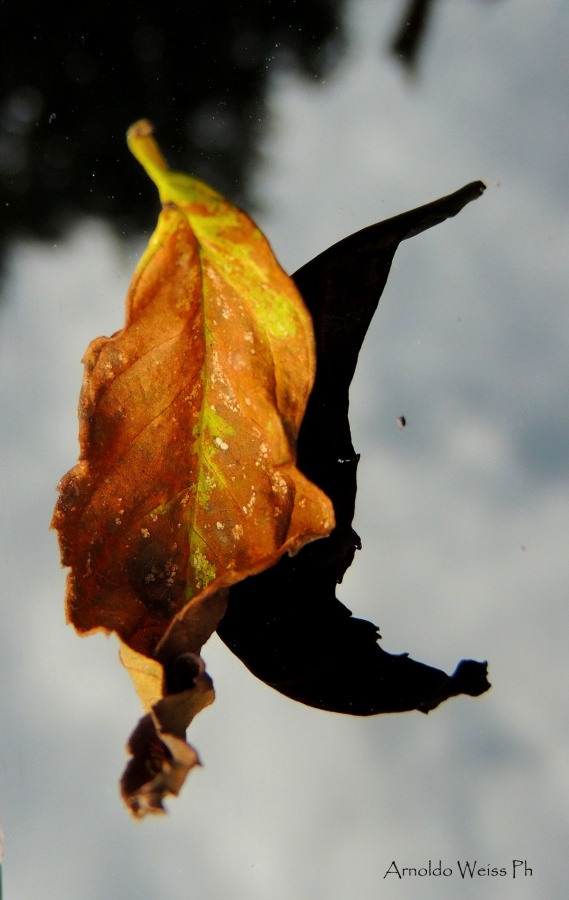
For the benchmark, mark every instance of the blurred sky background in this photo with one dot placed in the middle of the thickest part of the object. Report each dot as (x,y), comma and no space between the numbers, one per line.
(463,515)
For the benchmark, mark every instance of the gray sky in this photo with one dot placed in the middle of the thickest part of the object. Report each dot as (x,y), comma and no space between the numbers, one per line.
(464,514)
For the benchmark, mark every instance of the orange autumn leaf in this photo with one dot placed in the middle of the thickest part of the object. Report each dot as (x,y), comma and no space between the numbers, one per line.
(187,479)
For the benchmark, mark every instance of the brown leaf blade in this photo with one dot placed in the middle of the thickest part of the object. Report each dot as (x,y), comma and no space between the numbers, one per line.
(187,479)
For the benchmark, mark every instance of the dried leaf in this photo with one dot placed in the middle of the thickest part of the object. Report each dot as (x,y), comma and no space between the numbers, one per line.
(287,624)
(187,481)
(187,495)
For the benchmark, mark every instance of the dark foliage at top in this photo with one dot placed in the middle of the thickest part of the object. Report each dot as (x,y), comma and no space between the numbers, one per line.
(71,82)
(73,79)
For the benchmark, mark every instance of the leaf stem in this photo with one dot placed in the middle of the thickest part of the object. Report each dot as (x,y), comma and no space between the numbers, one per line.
(145,149)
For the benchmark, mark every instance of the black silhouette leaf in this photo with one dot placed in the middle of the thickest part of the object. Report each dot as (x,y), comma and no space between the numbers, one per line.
(286,624)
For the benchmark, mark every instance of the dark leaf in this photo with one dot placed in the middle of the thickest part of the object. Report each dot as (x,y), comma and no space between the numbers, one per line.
(286,624)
